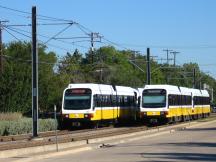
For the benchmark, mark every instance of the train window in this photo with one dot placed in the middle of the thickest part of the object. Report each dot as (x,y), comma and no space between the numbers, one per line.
(77,99)
(121,100)
(114,101)
(95,103)
(190,100)
(182,100)
(104,101)
(154,100)
(126,101)
(170,100)
(178,100)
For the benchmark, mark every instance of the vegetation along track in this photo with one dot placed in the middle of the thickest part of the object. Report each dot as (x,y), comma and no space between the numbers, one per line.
(47,138)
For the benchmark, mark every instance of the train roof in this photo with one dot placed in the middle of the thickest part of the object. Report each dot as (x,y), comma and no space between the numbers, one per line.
(205,93)
(185,90)
(178,90)
(168,88)
(104,88)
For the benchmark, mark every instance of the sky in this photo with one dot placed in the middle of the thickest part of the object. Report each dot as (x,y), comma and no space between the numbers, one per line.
(185,26)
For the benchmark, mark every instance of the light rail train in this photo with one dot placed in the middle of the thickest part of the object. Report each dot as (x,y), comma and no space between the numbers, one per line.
(90,104)
(168,103)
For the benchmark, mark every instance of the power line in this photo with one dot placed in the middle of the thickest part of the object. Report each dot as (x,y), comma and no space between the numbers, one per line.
(61,31)
(81,28)
(71,43)
(15,14)
(47,17)
(204,46)
(15,10)
(12,35)
(18,32)
(115,44)
(39,24)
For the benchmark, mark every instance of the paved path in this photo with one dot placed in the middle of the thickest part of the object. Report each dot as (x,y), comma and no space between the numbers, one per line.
(192,144)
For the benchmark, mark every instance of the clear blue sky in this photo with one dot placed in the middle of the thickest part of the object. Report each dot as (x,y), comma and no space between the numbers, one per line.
(187,26)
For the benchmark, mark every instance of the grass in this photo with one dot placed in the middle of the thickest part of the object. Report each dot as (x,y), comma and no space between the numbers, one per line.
(10,116)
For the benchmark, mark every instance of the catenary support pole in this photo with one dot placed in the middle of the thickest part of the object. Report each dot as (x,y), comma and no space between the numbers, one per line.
(34,75)
(194,78)
(1,48)
(148,77)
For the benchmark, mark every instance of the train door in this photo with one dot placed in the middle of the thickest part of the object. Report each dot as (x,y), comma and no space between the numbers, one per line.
(115,105)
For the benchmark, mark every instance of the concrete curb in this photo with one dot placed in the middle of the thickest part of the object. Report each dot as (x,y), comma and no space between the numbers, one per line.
(40,149)
(84,144)
(53,154)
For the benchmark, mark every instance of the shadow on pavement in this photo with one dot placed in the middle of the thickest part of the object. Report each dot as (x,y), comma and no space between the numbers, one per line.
(192,144)
(201,129)
(179,156)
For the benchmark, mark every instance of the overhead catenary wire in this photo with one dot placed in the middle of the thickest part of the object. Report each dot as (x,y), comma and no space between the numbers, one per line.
(115,44)
(86,31)
(39,62)
(61,31)
(12,35)
(71,43)
(192,47)
(48,18)
(18,32)
(28,13)
(121,45)
(39,24)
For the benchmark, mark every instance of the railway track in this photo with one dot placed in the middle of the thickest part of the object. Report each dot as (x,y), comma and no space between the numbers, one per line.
(47,138)
(29,137)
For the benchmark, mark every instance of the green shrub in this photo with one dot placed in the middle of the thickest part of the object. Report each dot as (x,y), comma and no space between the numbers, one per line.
(3,127)
(46,125)
(24,126)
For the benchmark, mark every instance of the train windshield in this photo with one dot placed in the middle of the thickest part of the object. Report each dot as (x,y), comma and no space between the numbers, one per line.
(154,98)
(77,99)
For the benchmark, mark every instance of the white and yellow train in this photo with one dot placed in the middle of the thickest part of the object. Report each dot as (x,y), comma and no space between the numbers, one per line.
(172,103)
(90,104)
(97,103)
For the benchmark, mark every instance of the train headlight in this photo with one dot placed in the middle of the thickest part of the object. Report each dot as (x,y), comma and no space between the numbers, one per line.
(88,115)
(144,113)
(164,113)
(66,115)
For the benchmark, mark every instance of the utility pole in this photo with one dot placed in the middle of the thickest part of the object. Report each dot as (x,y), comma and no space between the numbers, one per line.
(167,51)
(148,76)
(174,54)
(93,36)
(92,47)
(194,78)
(1,48)
(34,74)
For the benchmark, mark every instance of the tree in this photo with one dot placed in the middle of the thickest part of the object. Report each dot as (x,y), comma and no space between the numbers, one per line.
(15,82)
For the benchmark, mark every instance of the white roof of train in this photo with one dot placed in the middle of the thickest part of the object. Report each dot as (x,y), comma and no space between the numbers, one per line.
(205,93)
(177,90)
(168,88)
(104,89)
(122,90)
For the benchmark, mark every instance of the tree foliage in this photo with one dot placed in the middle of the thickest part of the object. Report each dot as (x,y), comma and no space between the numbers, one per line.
(110,66)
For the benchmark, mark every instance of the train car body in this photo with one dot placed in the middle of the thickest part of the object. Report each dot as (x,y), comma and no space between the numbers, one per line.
(172,103)
(93,103)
